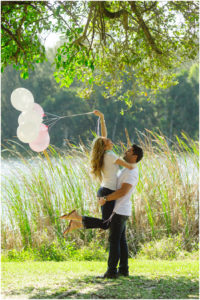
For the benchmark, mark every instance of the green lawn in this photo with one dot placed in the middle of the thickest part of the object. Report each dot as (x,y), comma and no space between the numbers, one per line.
(149,279)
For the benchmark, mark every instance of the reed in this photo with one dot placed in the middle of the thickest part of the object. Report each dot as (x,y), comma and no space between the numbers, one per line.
(39,189)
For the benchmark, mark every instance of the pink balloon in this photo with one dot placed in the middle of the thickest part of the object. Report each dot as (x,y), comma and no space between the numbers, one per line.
(38,109)
(43,127)
(42,141)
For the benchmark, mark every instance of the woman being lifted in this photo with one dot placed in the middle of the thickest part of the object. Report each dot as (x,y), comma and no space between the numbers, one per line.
(104,166)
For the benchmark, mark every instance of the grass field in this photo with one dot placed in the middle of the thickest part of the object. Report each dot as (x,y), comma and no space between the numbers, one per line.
(149,279)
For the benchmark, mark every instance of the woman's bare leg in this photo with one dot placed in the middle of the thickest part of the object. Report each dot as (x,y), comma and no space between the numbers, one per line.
(72,226)
(72,216)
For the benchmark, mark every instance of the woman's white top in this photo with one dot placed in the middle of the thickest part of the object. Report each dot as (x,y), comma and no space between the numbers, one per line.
(110,170)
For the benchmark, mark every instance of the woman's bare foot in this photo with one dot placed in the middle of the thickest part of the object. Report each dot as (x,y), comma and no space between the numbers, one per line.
(73,215)
(72,226)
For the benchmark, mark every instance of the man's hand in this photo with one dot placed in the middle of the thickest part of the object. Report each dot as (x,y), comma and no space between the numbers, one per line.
(101,201)
(98,113)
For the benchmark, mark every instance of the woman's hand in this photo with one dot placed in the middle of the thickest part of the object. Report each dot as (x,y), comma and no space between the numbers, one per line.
(98,113)
(103,123)
(101,201)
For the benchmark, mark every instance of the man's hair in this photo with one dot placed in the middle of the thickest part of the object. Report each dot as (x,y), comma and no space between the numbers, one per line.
(137,151)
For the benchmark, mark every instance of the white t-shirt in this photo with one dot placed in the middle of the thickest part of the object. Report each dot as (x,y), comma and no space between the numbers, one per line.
(123,205)
(110,170)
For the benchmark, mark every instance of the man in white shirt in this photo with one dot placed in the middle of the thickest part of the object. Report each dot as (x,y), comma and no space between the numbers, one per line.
(127,181)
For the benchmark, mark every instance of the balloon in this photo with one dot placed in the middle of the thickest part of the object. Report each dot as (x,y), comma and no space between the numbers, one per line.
(28,132)
(38,109)
(43,127)
(32,115)
(42,141)
(22,99)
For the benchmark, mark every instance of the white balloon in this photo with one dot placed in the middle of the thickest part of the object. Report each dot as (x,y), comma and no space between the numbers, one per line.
(28,132)
(38,108)
(32,115)
(22,99)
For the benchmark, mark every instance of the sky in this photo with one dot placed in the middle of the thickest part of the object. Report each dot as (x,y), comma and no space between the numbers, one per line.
(50,39)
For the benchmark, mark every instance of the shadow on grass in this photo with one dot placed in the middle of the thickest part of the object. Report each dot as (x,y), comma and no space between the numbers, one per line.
(133,287)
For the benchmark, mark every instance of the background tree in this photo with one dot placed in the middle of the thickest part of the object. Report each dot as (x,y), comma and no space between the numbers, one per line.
(176,109)
(53,99)
(103,41)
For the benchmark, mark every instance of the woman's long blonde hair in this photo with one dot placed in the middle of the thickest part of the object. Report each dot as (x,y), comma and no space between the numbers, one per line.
(97,155)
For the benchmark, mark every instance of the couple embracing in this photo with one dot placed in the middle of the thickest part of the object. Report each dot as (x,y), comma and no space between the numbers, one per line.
(114,197)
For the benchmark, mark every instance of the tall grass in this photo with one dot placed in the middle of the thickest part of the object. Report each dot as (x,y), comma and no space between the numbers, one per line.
(39,189)
(166,201)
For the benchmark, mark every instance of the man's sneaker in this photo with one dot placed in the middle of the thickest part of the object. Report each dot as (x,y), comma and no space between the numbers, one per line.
(109,275)
(120,273)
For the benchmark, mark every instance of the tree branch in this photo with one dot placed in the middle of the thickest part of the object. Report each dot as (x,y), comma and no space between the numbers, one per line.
(52,10)
(64,6)
(18,30)
(83,36)
(144,27)
(93,32)
(13,37)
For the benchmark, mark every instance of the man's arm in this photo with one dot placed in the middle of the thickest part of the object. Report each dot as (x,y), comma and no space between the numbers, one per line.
(125,188)
(103,123)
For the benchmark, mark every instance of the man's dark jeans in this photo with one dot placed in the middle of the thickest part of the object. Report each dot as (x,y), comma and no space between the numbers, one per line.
(106,209)
(118,245)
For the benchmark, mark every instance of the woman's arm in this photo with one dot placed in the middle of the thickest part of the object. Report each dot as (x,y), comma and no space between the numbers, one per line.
(103,123)
(123,163)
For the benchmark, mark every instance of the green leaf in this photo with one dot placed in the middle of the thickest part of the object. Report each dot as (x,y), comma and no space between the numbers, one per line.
(92,66)
(91,80)
(24,75)
(57,10)
(80,29)
(68,32)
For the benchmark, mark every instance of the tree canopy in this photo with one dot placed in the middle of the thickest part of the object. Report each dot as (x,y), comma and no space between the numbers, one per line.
(105,43)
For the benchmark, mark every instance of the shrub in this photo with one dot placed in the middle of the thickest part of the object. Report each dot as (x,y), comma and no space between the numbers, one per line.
(56,252)
(167,248)
(91,252)
(14,255)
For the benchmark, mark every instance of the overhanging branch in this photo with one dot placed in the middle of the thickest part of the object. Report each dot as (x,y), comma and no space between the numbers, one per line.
(13,37)
(144,27)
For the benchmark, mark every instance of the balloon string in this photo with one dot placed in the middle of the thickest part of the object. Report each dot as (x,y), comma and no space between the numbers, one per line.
(47,113)
(88,113)
(52,119)
(51,122)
